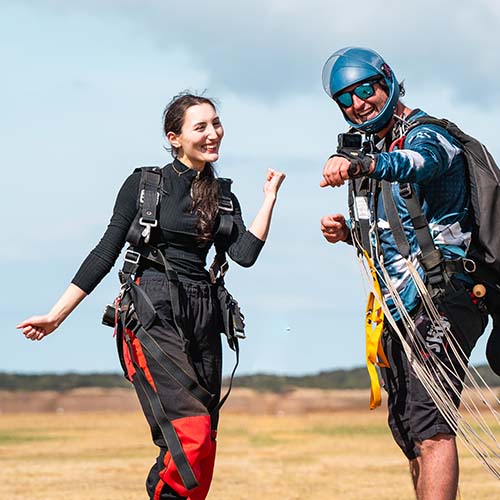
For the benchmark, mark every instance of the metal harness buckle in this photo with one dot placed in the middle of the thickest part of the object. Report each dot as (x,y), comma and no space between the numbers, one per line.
(132,256)
(405,190)
(226,204)
(224,268)
(147,229)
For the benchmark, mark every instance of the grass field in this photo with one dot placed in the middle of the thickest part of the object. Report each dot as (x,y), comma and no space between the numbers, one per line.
(106,456)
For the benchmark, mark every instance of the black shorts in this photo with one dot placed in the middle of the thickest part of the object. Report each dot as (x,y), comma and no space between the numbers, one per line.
(413,416)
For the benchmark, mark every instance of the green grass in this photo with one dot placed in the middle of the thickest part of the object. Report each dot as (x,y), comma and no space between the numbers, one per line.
(19,437)
(348,430)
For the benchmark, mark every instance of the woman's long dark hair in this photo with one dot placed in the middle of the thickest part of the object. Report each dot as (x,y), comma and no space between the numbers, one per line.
(205,189)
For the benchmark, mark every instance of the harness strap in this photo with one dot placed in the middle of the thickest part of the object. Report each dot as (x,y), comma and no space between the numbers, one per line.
(220,265)
(431,257)
(226,207)
(394,220)
(236,349)
(167,363)
(359,208)
(232,317)
(167,429)
(173,286)
(149,198)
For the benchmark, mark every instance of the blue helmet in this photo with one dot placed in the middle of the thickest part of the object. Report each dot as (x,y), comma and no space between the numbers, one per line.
(353,65)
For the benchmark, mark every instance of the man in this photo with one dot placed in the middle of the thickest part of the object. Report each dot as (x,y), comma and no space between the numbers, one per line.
(430,162)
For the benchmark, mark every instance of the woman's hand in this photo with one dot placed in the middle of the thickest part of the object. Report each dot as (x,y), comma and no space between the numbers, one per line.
(262,221)
(274,179)
(37,327)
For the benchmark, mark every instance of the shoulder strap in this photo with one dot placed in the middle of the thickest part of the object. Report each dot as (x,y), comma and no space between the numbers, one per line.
(431,257)
(147,205)
(394,220)
(226,209)
(443,123)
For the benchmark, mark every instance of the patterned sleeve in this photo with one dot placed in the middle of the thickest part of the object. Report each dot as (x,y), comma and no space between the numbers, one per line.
(428,153)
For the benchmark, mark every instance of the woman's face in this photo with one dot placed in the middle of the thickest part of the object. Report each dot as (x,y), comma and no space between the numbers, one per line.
(200,137)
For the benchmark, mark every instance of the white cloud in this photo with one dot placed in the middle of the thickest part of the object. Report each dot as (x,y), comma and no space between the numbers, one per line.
(274,48)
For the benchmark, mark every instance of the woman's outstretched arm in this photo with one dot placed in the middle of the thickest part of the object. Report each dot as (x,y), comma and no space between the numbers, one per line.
(38,327)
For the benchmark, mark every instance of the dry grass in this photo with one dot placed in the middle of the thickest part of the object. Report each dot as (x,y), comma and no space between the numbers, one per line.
(106,456)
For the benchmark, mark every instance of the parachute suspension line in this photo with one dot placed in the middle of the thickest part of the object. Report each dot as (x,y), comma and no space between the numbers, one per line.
(432,373)
(473,381)
(474,376)
(437,378)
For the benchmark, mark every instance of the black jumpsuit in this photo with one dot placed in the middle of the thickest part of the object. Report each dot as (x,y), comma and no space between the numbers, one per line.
(194,425)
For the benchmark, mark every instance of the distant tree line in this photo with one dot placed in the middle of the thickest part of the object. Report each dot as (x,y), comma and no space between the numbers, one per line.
(355,378)
(59,382)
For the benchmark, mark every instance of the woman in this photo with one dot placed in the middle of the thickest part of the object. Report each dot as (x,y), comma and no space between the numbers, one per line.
(183,423)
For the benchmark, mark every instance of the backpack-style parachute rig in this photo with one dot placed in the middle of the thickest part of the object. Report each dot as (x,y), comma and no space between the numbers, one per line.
(133,313)
(481,265)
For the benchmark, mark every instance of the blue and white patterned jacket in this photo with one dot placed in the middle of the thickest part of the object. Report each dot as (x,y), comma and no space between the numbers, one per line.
(434,163)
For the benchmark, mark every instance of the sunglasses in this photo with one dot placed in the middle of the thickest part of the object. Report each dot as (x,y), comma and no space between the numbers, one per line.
(363,91)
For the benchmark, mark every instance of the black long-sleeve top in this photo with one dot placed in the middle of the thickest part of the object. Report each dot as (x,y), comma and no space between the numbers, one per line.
(177,229)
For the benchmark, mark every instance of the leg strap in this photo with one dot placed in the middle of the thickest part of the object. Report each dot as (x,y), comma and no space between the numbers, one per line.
(168,364)
(167,429)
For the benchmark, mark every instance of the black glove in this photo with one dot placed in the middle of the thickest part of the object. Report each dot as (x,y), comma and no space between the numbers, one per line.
(360,162)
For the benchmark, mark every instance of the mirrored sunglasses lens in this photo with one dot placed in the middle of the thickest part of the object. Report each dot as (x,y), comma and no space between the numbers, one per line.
(345,99)
(364,91)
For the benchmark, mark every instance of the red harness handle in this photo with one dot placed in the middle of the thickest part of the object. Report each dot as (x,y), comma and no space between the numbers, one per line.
(398,144)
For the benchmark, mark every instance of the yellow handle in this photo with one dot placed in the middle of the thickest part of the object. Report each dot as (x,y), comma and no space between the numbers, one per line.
(374,325)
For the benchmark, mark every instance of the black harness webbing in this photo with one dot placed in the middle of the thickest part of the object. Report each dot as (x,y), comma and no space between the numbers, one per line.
(430,257)
(131,265)
(394,220)
(167,363)
(167,429)
(147,203)
(231,316)
(360,190)
(220,265)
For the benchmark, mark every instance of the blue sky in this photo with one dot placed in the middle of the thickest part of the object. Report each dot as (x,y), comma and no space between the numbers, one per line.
(83,88)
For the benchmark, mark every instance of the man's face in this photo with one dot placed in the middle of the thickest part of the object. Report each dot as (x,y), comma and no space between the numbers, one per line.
(363,109)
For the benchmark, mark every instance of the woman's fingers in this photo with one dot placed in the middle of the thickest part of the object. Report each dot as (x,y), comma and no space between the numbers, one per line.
(275,178)
(35,328)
